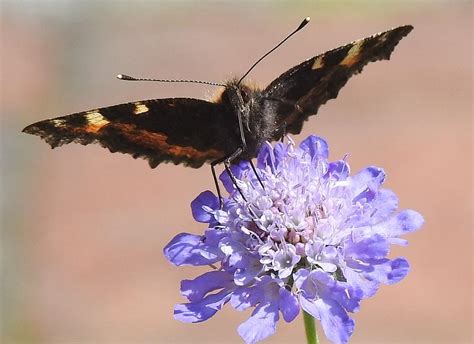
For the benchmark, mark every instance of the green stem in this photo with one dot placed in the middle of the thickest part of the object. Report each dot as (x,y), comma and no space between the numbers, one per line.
(310,329)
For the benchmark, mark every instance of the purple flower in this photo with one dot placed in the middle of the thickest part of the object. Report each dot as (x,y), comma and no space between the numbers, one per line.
(313,237)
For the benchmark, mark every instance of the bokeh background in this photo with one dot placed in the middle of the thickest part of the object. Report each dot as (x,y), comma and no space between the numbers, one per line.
(83,230)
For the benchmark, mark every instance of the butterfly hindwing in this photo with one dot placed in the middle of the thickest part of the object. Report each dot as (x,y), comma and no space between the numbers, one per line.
(299,92)
(178,130)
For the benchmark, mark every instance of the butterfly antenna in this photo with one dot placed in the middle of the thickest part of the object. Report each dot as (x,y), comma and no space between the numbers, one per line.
(302,25)
(131,78)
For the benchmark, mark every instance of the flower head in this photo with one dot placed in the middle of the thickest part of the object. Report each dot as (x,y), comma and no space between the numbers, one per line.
(311,237)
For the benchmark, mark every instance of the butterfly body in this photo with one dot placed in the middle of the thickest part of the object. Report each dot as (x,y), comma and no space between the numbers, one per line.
(258,122)
(193,132)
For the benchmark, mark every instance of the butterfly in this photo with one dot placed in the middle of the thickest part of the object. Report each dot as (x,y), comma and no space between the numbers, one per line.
(232,127)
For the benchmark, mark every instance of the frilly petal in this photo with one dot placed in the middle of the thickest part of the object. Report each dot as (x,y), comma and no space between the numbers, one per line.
(190,249)
(336,324)
(245,297)
(261,324)
(289,306)
(248,272)
(266,157)
(405,222)
(194,290)
(300,277)
(388,271)
(402,223)
(399,269)
(237,171)
(385,204)
(374,247)
(361,283)
(279,150)
(338,170)
(316,147)
(370,178)
(202,205)
(200,311)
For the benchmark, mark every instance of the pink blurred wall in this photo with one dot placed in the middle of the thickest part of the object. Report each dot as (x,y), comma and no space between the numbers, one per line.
(83,229)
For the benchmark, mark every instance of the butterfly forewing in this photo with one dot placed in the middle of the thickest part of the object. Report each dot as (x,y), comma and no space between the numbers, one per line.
(192,132)
(178,130)
(299,92)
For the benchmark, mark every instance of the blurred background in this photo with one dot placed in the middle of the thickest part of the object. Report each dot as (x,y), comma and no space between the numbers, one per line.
(83,230)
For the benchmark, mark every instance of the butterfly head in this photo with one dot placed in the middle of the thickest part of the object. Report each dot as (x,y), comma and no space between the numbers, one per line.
(235,93)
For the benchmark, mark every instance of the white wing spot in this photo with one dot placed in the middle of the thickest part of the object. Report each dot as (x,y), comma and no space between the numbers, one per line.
(140,108)
(95,121)
(353,55)
(59,122)
(318,63)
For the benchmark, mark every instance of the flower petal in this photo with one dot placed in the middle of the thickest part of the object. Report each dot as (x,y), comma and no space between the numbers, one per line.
(245,297)
(400,268)
(338,170)
(248,268)
(316,147)
(200,311)
(202,204)
(237,170)
(388,271)
(361,283)
(261,324)
(280,150)
(266,157)
(288,305)
(194,290)
(369,178)
(337,325)
(384,204)
(190,249)
(374,247)
(404,222)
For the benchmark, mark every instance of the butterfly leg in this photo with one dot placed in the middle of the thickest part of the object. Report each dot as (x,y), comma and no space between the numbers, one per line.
(226,160)
(255,171)
(227,163)
(216,182)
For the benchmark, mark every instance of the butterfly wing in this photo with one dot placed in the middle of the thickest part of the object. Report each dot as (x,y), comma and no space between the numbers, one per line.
(299,92)
(178,130)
